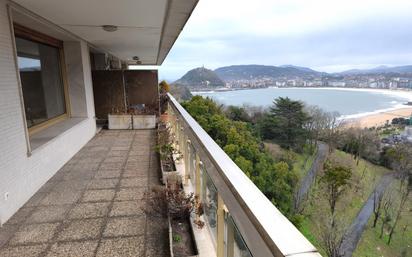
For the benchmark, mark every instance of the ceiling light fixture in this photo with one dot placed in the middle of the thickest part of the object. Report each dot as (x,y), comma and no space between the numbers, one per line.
(136,58)
(109,28)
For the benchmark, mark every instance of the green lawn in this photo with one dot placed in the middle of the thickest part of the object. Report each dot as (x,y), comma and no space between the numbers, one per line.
(301,161)
(373,246)
(365,177)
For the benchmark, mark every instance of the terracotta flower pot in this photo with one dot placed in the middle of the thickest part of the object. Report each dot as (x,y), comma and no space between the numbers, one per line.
(164,118)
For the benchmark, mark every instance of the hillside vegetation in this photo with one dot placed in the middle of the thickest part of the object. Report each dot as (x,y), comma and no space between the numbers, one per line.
(275,148)
(373,245)
(276,179)
(365,177)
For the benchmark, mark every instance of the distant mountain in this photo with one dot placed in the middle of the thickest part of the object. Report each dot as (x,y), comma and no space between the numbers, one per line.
(299,68)
(237,72)
(204,78)
(380,69)
(200,78)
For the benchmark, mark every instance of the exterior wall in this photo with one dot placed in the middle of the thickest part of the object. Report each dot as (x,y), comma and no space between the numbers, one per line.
(75,78)
(76,54)
(21,175)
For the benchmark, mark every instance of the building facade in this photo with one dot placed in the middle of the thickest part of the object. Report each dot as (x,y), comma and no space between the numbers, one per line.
(47,52)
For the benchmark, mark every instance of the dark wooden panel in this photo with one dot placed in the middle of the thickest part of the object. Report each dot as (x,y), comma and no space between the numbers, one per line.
(142,88)
(21,31)
(108,92)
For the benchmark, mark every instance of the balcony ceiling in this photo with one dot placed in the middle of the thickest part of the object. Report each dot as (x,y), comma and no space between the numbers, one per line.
(146,28)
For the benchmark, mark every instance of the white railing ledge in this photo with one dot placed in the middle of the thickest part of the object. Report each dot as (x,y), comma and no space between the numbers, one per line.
(277,231)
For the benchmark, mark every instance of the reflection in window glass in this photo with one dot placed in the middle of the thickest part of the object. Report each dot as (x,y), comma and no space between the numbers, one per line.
(41,81)
(235,245)
(209,198)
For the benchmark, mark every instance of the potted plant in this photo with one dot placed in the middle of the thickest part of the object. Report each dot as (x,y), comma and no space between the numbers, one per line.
(174,204)
(167,152)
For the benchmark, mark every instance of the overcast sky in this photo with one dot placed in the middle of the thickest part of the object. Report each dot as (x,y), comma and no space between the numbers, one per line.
(326,35)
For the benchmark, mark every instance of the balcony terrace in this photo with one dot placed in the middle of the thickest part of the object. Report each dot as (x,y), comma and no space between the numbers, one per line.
(93,205)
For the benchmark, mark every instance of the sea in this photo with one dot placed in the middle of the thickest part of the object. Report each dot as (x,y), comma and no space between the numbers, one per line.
(349,103)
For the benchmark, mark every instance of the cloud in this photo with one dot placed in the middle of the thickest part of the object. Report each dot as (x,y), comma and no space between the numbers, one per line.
(328,35)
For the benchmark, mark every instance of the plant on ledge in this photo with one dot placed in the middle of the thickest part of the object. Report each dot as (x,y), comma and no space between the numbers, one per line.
(164,88)
(166,149)
(172,202)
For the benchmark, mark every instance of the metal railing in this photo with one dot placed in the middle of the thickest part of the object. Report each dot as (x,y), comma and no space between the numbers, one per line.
(241,220)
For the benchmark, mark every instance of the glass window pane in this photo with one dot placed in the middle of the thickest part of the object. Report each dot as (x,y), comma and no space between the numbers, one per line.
(209,198)
(238,247)
(42,85)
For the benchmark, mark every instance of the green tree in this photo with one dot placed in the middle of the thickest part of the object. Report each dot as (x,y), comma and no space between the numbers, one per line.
(361,143)
(285,123)
(276,180)
(276,183)
(401,162)
(336,179)
(237,113)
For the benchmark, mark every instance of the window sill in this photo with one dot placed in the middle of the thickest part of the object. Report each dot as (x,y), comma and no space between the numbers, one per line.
(47,135)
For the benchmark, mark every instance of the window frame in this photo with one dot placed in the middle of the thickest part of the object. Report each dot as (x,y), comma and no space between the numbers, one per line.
(38,37)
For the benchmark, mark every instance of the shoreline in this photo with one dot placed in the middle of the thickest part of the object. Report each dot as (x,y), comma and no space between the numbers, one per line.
(364,89)
(405,93)
(367,119)
(379,118)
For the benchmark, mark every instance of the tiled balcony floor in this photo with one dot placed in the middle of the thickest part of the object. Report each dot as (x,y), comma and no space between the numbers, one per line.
(93,205)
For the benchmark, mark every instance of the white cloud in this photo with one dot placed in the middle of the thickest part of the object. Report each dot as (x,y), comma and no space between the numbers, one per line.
(317,33)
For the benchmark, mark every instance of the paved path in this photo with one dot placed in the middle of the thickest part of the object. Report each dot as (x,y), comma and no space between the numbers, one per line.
(93,205)
(352,237)
(309,179)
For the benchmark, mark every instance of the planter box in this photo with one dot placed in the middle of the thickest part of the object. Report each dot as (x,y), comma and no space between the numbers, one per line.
(167,174)
(189,233)
(144,121)
(120,121)
(128,121)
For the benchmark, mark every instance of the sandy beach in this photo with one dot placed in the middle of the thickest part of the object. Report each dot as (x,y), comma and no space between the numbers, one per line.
(378,119)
